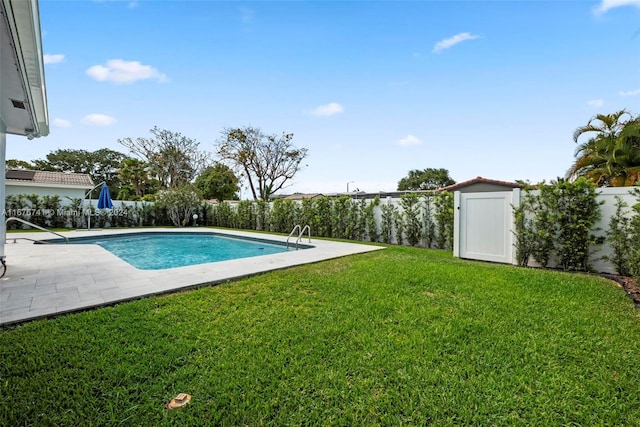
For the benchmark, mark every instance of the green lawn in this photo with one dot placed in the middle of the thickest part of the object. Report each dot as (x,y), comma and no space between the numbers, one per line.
(401,336)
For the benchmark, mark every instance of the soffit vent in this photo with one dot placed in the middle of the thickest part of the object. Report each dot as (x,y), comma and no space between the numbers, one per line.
(18,104)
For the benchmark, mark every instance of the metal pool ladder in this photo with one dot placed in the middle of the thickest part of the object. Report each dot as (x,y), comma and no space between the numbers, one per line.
(301,231)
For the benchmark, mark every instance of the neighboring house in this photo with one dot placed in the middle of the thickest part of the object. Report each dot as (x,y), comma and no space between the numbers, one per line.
(299,196)
(44,183)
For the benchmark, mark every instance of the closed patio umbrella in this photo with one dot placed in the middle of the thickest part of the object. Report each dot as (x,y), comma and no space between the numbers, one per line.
(104,200)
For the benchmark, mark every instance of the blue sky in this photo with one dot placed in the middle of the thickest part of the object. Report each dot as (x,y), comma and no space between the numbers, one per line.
(372,89)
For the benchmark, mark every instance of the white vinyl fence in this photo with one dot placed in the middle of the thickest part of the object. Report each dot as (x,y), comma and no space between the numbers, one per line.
(484,225)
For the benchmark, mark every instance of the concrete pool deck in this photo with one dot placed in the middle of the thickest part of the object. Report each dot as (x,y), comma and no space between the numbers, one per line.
(46,280)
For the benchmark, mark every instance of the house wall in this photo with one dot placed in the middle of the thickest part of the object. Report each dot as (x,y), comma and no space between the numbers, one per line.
(3,155)
(13,189)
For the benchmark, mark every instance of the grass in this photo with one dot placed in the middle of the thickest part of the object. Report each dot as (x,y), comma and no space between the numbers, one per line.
(402,336)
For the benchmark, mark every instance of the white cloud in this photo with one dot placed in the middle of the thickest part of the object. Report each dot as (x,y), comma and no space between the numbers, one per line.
(61,123)
(120,71)
(607,5)
(52,59)
(328,110)
(98,120)
(452,41)
(409,140)
(595,103)
(630,92)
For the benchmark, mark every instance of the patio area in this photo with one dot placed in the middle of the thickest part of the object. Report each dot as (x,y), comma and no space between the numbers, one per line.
(45,280)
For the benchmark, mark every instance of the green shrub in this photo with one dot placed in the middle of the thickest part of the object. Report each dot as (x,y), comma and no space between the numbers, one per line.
(322,223)
(370,223)
(246,216)
(386,225)
(179,203)
(307,214)
(340,217)
(224,216)
(263,212)
(620,238)
(558,222)
(428,223)
(283,216)
(411,212)
(398,225)
(578,212)
(634,252)
(443,204)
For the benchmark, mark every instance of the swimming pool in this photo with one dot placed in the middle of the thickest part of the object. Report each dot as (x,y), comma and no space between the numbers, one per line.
(157,251)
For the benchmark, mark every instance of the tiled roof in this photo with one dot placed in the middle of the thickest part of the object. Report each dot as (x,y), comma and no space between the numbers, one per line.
(480,180)
(46,177)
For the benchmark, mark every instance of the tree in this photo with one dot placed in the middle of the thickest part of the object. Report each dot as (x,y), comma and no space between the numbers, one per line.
(610,158)
(626,155)
(180,203)
(106,164)
(218,182)
(267,162)
(134,175)
(18,164)
(427,179)
(66,160)
(173,158)
(102,165)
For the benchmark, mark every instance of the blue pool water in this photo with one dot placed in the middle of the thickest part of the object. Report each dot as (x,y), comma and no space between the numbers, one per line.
(157,251)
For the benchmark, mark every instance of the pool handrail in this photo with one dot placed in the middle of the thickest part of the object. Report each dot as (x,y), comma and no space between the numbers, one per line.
(297,227)
(308,230)
(301,231)
(13,218)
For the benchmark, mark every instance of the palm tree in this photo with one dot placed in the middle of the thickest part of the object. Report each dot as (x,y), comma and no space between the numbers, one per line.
(611,158)
(626,154)
(591,161)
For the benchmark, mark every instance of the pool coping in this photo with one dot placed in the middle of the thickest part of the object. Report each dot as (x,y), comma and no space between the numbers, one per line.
(48,280)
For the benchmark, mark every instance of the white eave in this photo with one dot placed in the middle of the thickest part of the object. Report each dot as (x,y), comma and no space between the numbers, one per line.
(23,98)
(31,184)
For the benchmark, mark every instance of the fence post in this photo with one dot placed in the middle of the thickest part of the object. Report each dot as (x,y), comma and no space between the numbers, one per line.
(456,224)
(515,203)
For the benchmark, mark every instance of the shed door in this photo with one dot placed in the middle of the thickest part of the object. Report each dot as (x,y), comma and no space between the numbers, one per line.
(485,226)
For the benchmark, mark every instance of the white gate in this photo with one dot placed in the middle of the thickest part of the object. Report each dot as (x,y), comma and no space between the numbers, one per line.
(483,225)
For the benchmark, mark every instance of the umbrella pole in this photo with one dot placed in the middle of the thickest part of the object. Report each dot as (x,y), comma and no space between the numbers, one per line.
(89,194)
(85,196)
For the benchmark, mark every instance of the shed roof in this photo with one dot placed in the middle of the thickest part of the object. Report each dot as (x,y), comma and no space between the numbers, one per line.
(480,180)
